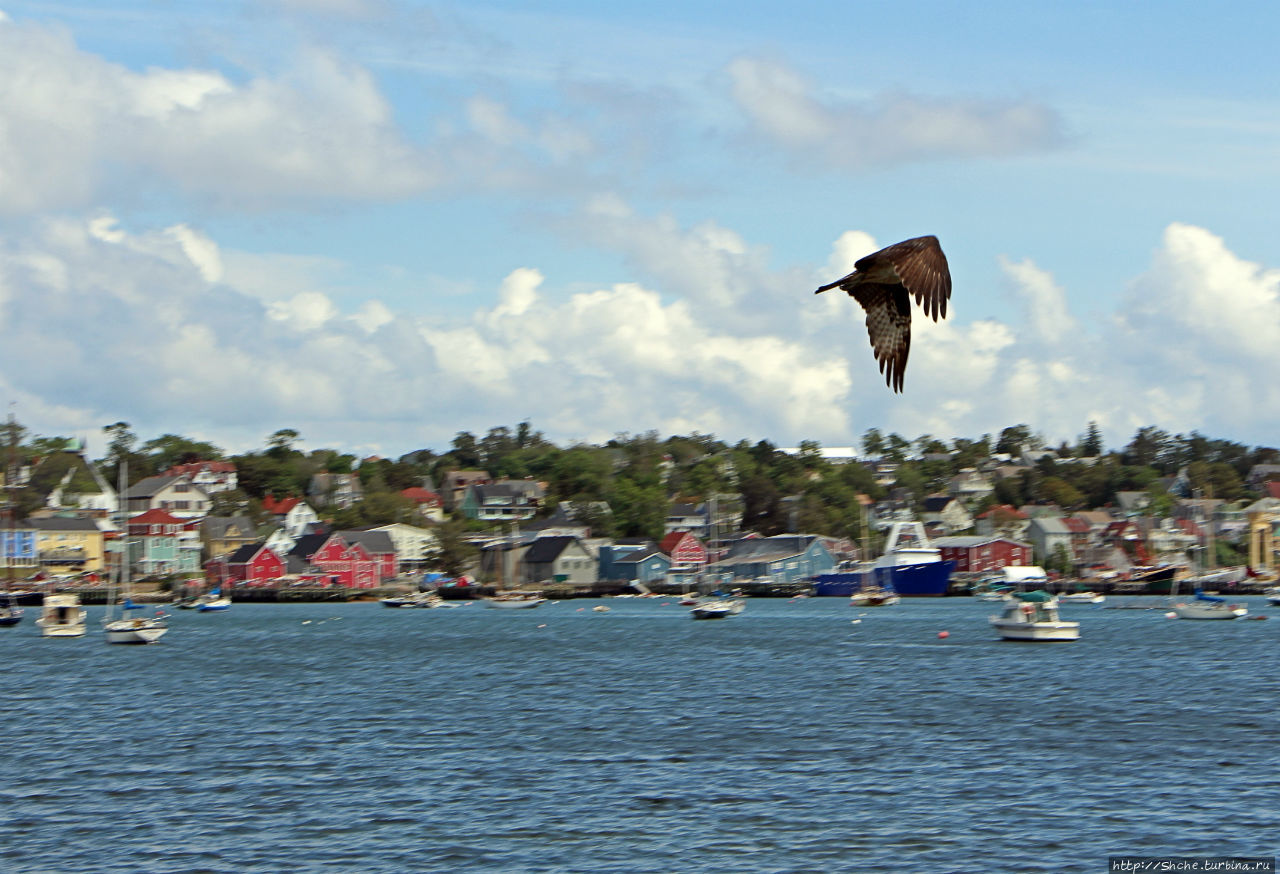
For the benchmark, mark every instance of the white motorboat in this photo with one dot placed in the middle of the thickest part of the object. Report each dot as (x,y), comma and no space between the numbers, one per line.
(1081,598)
(62,616)
(1273,595)
(717,608)
(1204,606)
(1034,616)
(515,600)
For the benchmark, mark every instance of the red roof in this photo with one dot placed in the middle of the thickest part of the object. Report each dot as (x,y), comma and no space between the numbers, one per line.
(1076,526)
(279,507)
(1003,511)
(195,467)
(669,542)
(421,496)
(155,517)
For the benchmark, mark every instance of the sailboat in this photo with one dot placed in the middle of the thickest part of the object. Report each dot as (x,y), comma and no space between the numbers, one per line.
(212,601)
(128,628)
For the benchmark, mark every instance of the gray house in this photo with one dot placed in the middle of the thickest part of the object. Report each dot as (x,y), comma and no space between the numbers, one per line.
(559,559)
(1047,534)
(787,558)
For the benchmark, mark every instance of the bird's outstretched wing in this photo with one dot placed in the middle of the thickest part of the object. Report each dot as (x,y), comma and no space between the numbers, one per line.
(889,326)
(922,268)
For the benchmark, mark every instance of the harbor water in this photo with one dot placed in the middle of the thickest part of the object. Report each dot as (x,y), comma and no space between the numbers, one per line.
(349,737)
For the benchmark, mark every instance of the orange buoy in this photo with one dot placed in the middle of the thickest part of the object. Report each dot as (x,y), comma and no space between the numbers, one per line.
(943,635)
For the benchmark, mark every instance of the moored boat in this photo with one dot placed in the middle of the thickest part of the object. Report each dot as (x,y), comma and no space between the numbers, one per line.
(1204,606)
(717,608)
(1033,616)
(62,616)
(514,599)
(911,567)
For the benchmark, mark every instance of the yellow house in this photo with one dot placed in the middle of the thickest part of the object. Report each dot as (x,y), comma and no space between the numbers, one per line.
(223,535)
(68,545)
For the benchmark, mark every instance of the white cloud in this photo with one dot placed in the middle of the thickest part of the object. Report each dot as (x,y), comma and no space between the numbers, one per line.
(230,364)
(73,126)
(1046,307)
(892,128)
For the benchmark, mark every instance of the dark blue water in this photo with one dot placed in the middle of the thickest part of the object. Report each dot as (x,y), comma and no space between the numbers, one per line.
(281,738)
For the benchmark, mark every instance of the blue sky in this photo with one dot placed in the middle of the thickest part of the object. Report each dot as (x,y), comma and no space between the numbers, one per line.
(380,223)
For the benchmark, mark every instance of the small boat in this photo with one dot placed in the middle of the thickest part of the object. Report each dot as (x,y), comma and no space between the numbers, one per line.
(717,608)
(873,596)
(61,616)
(134,629)
(1273,595)
(1204,606)
(213,601)
(416,600)
(515,599)
(1034,616)
(600,608)
(1081,598)
(10,613)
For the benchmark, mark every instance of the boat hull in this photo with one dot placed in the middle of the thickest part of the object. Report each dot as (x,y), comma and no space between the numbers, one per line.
(1196,611)
(513,604)
(927,579)
(135,631)
(1037,631)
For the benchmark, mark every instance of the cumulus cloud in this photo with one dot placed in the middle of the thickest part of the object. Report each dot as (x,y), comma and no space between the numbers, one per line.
(73,125)
(142,326)
(891,128)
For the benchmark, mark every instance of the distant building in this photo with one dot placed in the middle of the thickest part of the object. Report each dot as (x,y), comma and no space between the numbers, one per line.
(177,495)
(212,476)
(561,560)
(335,490)
(69,544)
(979,553)
(253,564)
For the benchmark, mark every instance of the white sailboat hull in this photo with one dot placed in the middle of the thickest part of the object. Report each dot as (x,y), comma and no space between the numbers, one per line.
(1209,611)
(135,631)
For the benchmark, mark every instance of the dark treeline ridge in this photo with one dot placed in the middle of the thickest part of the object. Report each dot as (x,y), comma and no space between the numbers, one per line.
(640,476)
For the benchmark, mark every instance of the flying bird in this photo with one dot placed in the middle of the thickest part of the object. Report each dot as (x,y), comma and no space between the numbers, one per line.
(883,282)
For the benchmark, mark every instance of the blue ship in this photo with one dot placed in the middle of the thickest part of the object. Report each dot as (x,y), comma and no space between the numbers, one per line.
(910,566)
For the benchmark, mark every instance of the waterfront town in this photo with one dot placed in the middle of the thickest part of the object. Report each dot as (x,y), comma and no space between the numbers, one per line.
(512,510)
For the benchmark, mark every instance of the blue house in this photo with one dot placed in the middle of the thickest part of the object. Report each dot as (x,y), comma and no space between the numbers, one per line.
(787,558)
(635,561)
(18,547)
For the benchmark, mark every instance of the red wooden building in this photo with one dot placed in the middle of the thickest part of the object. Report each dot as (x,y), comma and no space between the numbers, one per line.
(687,552)
(253,564)
(982,553)
(339,562)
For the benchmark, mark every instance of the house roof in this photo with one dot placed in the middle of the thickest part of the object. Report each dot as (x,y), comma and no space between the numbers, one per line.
(673,539)
(547,549)
(770,548)
(308,545)
(1003,512)
(155,516)
(195,467)
(644,553)
(246,553)
(969,541)
(279,506)
(421,495)
(63,523)
(376,542)
(152,485)
(936,503)
(217,526)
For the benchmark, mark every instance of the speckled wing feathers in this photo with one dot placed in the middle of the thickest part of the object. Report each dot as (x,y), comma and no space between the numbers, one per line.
(889,327)
(884,282)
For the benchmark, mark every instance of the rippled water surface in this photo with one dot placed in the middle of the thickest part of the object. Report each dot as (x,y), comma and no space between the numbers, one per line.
(279,738)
